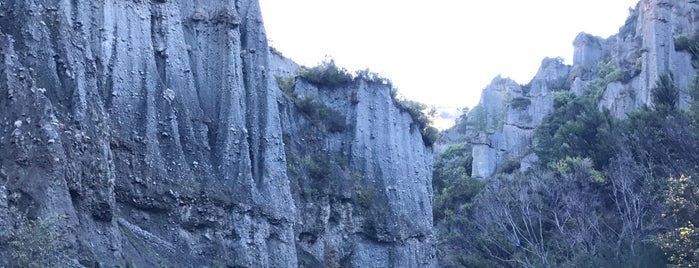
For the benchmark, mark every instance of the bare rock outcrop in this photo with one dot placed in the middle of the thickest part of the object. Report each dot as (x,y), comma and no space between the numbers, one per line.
(505,119)
(632,61)
(361,177)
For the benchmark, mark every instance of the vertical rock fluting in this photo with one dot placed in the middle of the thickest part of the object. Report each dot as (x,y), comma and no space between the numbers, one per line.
(645,49)
(642,51)
(146,130)
(505,119)
(149,133)
(374,207)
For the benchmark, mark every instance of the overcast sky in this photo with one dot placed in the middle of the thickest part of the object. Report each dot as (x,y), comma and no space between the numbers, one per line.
(439,52)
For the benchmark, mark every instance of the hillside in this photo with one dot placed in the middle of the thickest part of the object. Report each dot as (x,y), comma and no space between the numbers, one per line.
(588,165)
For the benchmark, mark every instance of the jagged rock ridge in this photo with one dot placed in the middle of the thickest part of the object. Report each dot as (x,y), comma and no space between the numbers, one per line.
(501,125)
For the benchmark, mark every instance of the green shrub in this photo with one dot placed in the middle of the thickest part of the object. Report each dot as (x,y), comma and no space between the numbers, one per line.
(510,166)
(420,118)
(366,196)
(372,77)
(680,243)
(520,103)
(694,104)
(691,45)
(560,84)
(326,74)
(610,72)
(430,135)
(286,84)
(415,110)
(682,42)
(454,189)
(665,93)
(318,167)
(560,99)
(33,242)
(577,128)
(321,115)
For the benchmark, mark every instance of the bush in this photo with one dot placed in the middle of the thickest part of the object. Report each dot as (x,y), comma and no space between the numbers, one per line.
(321,115)
(318,167)
(372,77)
(34,243)
(365,196)
(420,118)
(454,194)
(691,45)
(430,135)
(665,93)
(454,163)
(326,74)
(576,129)
(286,84)
(520,103)
(560,84)
(682,42)
(680,243)
(560,99)
(510,166)
(610,72)
(694,104)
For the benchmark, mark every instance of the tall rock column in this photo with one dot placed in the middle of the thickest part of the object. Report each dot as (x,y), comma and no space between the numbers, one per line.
(147,129)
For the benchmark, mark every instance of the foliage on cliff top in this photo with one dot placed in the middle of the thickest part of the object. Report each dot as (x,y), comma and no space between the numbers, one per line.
(326,74)
(329,75)
(421,118)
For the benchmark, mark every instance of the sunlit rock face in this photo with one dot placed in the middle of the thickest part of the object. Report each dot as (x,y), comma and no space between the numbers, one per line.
(505,119)
(149,133)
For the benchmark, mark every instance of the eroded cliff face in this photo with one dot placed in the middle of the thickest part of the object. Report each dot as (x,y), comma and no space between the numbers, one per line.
(504,121)
(361,177)
(501,126)
(645,49)
(149,132)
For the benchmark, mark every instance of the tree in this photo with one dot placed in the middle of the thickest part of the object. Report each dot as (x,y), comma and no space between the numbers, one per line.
(577,129)
(681,241)
(665,93)
(543,218)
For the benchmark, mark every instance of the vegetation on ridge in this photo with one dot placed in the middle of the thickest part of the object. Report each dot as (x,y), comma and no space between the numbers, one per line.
(607,192)
(329,75)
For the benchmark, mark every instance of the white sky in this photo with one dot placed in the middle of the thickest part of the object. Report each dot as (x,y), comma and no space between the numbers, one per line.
(439,52)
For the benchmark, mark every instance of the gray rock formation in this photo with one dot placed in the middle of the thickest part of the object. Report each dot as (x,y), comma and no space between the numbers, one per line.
(505,119)
(642,51)
(645,49)
(149,133)
(374,205)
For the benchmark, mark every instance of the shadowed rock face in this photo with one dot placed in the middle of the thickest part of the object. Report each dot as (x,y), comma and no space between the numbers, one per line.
(149,132)
(151,125)
(374,206)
